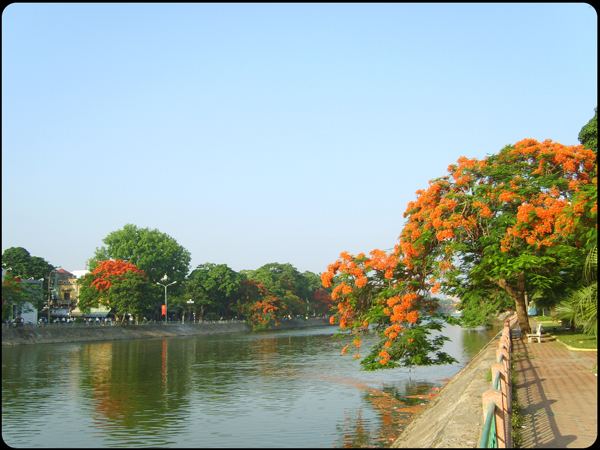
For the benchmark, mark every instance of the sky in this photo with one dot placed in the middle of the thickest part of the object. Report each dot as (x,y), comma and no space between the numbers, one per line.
(259,133)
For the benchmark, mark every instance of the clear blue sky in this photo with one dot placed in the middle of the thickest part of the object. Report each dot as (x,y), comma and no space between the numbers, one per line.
(257,133)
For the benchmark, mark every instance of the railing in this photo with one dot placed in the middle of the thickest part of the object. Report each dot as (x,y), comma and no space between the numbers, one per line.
(497,428)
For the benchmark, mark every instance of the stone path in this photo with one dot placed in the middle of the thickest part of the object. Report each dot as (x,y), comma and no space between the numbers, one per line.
(558,395)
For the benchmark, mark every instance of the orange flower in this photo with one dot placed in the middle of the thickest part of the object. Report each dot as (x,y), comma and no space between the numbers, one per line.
(412,317)
(361,282)
(392,301)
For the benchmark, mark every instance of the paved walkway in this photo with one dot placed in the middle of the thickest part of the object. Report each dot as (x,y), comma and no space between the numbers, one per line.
(558,394)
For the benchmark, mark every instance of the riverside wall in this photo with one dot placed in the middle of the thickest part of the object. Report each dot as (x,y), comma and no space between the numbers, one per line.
(454,419)
(82,333)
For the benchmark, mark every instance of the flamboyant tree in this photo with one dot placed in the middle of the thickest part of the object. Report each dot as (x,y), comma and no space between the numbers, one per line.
(378,290)
(519,220)
(516,222)
(118,285)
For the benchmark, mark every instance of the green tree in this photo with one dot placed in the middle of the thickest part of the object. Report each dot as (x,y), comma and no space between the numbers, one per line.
(21,264)
(154,252)
(17,260)
(286,283)
(580,308)
(588,136)
(214,288)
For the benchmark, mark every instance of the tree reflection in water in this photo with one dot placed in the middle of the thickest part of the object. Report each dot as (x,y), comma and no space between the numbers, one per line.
(396,406)
(146,385)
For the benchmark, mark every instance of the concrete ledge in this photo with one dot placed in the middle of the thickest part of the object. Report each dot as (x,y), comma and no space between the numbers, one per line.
(454,419)
(70,333)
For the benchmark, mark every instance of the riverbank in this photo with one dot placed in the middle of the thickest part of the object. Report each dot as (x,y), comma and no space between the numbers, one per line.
(81,333)
(453,419)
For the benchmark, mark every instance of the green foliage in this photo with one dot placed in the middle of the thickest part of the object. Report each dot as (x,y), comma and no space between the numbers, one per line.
(17,260)
(213,288)
(154,252)
(479,306)
(89,296)
(284,281)
(21,264)
(580,308)
(588,136)
(414,347)
(130,293)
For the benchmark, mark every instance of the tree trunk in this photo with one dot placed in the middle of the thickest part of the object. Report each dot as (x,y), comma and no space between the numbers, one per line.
(517,293)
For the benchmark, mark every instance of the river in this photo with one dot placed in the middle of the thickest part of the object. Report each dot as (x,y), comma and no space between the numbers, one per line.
(272,389)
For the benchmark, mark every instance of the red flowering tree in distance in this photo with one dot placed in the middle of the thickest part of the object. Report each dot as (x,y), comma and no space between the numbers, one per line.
(117,284)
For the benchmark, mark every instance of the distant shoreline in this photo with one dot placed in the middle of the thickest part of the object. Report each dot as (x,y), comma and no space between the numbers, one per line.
(81,333)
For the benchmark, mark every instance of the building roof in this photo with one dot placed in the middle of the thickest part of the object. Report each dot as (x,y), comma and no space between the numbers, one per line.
(62,271)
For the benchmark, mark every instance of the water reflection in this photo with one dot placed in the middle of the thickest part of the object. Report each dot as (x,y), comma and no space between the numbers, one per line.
(275,389)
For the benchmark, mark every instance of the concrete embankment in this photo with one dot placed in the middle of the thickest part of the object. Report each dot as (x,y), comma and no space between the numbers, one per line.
(454,418)
(82,333)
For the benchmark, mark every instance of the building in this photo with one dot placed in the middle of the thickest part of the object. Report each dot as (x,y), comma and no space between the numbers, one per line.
(27,310)
(64,293)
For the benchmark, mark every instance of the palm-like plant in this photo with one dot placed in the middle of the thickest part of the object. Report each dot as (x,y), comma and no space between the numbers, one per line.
(581,307)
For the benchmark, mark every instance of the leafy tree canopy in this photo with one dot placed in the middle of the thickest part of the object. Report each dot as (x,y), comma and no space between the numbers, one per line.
(21,264)
(213,288)
(516,222)
(588,136)
(154,252)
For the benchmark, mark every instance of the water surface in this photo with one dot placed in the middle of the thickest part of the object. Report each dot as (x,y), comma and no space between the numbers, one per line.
(275,389)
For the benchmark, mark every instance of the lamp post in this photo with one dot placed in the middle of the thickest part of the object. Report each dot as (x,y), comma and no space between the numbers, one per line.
(190,302)
(165,278)
(50,289)
(41,281)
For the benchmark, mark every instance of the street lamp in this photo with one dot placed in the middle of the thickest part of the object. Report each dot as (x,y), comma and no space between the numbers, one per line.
(41,281)
(190,302)
(50,289)
(165,278)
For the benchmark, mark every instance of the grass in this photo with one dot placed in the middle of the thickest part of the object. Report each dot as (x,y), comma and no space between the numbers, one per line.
(576,339)
(547,320)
